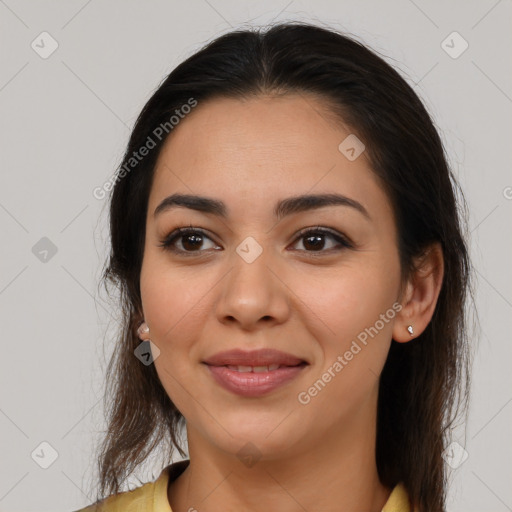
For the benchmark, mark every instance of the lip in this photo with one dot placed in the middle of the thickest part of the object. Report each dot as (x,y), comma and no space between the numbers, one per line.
(261,357)
(250,383)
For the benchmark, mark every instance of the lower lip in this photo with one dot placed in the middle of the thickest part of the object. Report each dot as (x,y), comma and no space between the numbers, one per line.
(253,384)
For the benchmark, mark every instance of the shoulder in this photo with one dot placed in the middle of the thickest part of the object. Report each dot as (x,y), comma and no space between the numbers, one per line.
(398,500)
(135,500)
(150,497)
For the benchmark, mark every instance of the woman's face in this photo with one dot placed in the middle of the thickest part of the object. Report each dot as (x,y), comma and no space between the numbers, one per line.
(249,280)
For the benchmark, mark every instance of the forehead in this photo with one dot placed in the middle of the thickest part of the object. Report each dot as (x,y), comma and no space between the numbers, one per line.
(260,150)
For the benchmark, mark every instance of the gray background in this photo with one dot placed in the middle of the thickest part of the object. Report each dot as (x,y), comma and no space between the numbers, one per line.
(65,121)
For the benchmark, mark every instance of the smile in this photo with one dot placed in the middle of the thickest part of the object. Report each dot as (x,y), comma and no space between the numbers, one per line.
(254,381)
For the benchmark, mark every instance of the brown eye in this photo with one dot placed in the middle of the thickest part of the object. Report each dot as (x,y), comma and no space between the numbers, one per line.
(314,240)
(191,241)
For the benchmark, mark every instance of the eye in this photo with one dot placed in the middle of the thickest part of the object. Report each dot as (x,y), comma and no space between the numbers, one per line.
(191,239)
(314,239)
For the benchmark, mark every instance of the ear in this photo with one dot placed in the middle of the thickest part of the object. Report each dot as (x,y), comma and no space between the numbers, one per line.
(420,294)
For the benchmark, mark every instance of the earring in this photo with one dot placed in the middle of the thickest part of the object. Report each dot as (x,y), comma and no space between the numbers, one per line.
(409,329)
(143,329)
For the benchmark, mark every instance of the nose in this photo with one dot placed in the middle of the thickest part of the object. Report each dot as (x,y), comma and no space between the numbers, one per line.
(253,294)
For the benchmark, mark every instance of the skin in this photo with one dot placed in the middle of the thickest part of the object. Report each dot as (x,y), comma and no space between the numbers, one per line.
(311,303)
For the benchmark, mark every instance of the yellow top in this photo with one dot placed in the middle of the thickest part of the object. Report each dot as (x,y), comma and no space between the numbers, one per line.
(152,496)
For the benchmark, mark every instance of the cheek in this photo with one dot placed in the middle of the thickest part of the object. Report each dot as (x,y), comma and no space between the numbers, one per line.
(172,300)
(172,303)
(345,302)
(354,336)
(351,316)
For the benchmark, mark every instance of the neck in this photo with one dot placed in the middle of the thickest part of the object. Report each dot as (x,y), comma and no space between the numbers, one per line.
(336,472)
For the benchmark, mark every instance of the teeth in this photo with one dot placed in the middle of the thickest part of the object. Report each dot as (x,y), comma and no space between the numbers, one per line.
(255,369)
(243,368)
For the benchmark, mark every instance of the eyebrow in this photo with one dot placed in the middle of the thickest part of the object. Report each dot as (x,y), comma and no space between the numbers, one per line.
(282,209)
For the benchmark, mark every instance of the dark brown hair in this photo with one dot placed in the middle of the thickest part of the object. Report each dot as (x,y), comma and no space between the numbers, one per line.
(424,381)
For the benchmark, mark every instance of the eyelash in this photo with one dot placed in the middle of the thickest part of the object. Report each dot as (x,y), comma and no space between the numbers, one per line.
(168,241)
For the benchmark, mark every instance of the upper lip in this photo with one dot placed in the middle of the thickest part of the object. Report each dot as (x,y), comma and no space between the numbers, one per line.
(261,357)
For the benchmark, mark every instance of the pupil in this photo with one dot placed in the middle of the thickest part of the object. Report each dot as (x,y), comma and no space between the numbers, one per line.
(318,244)
(197,241)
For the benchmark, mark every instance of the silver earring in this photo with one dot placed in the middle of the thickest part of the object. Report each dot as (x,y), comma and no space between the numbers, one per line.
(409,329)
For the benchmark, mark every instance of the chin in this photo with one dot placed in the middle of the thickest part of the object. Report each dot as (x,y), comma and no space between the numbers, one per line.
(266,438)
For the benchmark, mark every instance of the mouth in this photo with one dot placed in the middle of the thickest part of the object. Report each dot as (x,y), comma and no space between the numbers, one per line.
(260,369)
(256,373)
(259,360)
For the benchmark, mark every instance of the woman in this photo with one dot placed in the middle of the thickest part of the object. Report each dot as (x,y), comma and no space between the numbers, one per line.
(286,240)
